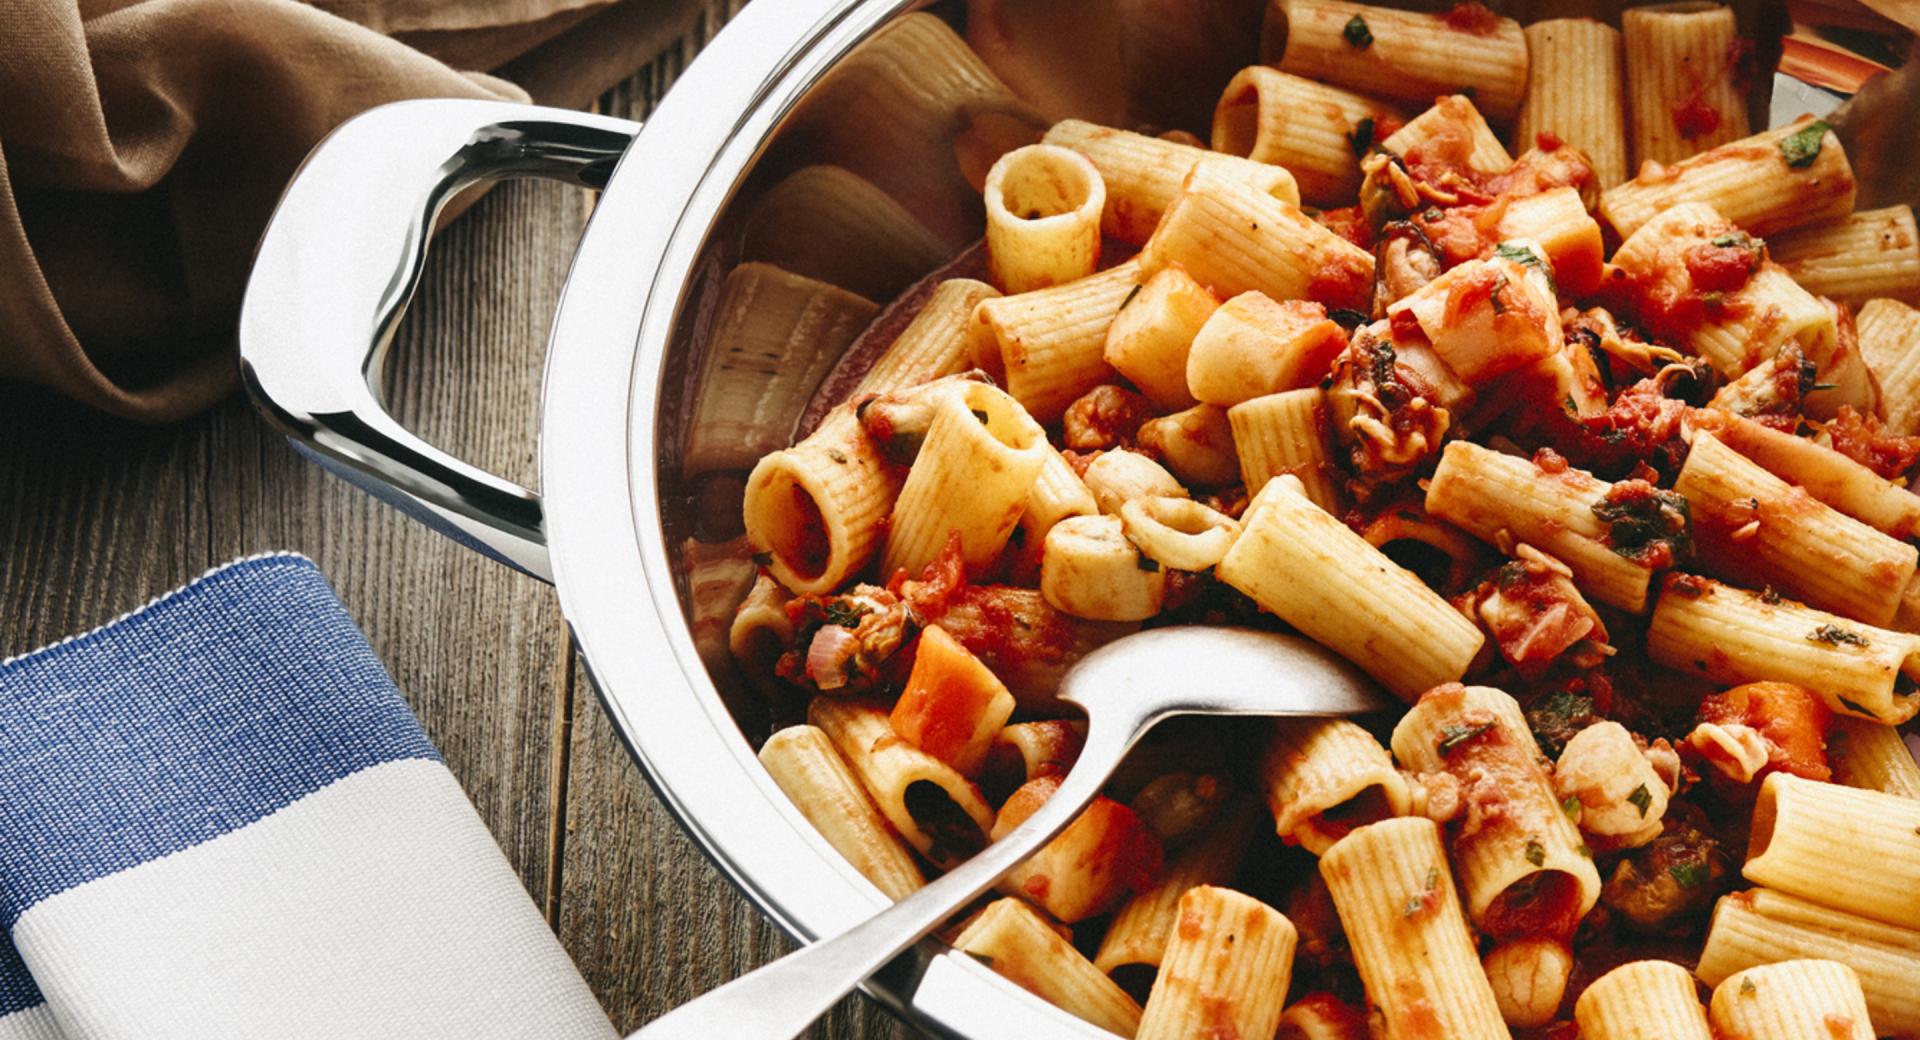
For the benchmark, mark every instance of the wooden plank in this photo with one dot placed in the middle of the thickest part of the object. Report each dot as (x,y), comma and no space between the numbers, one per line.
(98,516)
(650,921)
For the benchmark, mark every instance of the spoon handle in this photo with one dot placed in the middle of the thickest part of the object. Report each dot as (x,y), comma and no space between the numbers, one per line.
(779,1000)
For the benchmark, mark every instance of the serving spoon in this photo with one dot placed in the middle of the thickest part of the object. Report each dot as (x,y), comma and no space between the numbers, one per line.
(1125,688)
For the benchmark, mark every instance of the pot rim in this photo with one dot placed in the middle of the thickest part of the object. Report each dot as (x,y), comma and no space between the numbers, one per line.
(605,370)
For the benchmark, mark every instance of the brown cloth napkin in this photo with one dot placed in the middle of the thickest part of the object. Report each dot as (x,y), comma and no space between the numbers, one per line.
(143,144)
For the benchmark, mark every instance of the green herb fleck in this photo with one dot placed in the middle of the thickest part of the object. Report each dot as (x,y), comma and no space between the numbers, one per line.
(1361,138)
(1346,317)
(1747,988)
(1359,37)
(1834,635)
(1453,736)
(1519,254)
(1736,240)
(844,614)
(1536,852)
(1572,808)
(1641,799)
(1800,148)
(1688,875)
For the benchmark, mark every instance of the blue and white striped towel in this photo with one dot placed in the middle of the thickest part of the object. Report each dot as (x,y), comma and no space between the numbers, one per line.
(218,819)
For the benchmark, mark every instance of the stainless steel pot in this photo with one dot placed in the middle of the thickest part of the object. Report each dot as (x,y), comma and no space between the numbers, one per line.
(782,88)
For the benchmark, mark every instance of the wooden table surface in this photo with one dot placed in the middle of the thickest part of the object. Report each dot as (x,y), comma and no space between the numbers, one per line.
(98,516)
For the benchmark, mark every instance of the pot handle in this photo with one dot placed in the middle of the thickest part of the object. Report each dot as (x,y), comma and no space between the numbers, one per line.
(337,267)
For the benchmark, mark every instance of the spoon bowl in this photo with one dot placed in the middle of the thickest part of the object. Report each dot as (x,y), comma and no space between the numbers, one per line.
(1125,688)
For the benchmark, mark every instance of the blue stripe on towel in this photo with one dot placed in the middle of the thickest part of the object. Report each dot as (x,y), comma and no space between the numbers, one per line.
(17,991)
(208,710)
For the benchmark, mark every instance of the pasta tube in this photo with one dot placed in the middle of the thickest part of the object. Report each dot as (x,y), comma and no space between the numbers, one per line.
(1050,343)
(1106,854)
(1557,221)
(1730,635)
(1143,174)
(1452,130)
(1151,335)
(1401,55)
(1890,342)
(831,224)
(1057,493)
(1642,1000)
(1225,970)
(1770,182)
(933,345)
(1575,91)
(1761,926)
(1234,239)
(1681,82)
(1822,472)
(930,804)
(1018,944)
(1090,570)
(1394,891)
(1751,526)
(803,762)
(1137,938)
(1043,218)
(1524,868)
(1316,131)
(775,336)
(1872,756)
(1506,501)
(1298,561)
(1285,434)
(1325,777)
(972,477)
(1797,823)
(1870,253)
(818,509)
(1252,346)
(1792,1000)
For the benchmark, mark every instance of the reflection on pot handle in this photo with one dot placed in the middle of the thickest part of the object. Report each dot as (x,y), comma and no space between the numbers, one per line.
(337,267)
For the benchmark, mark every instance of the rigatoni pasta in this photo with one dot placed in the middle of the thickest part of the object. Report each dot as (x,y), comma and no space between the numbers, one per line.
(1791,1000)
(976,429)
(1796,821)
(1043,218)
(1315,131)
(1144,174)
(1296,560)
(1642,1000)
(1394,890)
(1770,182)
(1013,939)
(1761,926)
(1401,55)
(1867,255)
(1682,84)
(803,762)
(1326,777)
(1225,970)
(1576,92)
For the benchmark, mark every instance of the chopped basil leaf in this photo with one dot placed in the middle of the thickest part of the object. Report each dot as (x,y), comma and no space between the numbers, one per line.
(1689,875)
(1359,37)
(1641,799)
(1739,239)
(1747,988)
(1800,148)
(1834,635)
(1518,253)
(1536,852)
(1361,138)
(1347,318)
(844,614)
(1453,736)
(1572,807)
